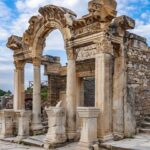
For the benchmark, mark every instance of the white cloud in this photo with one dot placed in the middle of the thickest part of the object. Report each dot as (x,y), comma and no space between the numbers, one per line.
(143,30)
(5,11)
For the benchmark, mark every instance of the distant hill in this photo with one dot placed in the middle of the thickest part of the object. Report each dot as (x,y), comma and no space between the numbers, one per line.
(2,93)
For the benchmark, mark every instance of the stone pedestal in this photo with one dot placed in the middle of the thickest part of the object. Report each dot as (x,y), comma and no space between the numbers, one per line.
(24,118)
(57,132)
(6,123)
(103,95)
(89,117)
(36,111)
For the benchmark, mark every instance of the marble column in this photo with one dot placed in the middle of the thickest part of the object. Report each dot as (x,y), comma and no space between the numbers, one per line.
(103,87)
(19,94)
(71,96)
(36,106)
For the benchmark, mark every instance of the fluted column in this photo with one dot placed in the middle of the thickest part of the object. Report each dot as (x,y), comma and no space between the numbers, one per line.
(19,94)
(103,89)
(71,95)
(36,106)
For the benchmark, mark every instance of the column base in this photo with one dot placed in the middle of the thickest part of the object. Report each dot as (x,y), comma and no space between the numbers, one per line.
(71,136)
(84,146)
(37,129)
(106,138)
(118,136)
(20,138)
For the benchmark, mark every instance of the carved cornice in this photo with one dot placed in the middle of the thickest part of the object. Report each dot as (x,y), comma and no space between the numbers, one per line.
(106,9)
(15,43)
(120,24)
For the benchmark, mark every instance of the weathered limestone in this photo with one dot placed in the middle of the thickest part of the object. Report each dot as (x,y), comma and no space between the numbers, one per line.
(103,95)
(119,90)
(89,117)
(97,45)
(24,118)
(56,122)
(71,97)
(36,111)
(6,123)
(19,86)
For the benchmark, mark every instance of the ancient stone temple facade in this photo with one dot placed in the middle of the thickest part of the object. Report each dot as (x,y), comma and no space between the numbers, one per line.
(99,48)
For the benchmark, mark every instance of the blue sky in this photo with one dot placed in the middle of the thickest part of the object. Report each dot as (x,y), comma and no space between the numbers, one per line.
(14,16)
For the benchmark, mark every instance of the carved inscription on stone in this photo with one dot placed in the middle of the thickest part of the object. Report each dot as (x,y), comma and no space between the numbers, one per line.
(87,52)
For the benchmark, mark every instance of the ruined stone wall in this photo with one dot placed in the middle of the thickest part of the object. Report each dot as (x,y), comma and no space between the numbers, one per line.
(89,92)
(138,78)
(57,84)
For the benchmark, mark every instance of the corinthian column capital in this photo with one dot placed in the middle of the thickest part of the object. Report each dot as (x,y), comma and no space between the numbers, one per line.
(104,45)
(71,55)
(36,61)
(19,65)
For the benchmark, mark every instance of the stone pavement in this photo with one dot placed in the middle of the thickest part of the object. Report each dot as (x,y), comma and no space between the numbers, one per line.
(139,142)
(13,146)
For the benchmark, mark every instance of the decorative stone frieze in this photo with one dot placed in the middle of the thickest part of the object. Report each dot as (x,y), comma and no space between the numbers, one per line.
(106,9)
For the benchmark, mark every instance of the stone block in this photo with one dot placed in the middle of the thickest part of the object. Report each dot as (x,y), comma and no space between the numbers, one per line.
(6,123)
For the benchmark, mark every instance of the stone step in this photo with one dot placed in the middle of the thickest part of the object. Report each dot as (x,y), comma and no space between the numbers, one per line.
(145,125)
(148,115)
(143,130)
(147,119)
(33,142)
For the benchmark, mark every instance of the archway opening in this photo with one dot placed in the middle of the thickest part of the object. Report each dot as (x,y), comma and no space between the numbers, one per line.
(54,61)
(28,81)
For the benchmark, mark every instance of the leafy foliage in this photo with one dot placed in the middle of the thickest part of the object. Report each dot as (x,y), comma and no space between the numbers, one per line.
(5,93)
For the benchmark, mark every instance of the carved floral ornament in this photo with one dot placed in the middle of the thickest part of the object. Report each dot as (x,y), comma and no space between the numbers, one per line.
(71,54)
(19,65)
(36,62)
(103,44)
